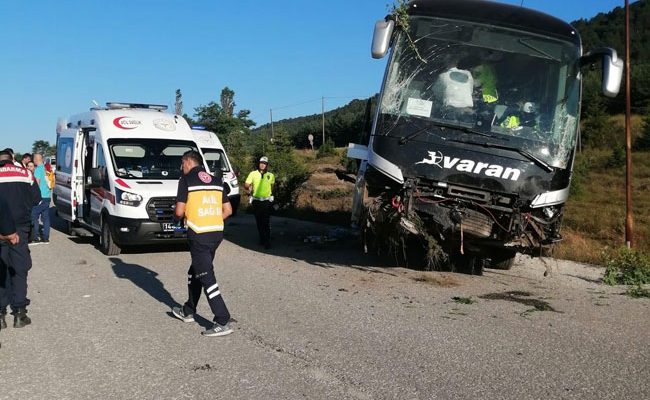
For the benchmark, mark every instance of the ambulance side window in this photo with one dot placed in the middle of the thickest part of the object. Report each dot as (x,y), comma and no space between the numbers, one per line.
(101,164)
(64,151)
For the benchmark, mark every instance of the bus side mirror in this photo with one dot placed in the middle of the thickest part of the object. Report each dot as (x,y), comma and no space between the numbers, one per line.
(96,177)
(381,38)
(612,69)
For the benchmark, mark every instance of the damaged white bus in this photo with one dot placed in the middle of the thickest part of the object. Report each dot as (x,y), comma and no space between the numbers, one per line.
(472,145)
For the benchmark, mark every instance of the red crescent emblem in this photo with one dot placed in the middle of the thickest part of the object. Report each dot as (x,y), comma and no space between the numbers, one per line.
(118,123)
(205,177)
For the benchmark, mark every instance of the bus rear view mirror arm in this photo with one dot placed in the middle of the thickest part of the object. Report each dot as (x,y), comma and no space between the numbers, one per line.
(612,67)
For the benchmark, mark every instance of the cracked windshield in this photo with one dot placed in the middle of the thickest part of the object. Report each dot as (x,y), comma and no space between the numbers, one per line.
(520,90)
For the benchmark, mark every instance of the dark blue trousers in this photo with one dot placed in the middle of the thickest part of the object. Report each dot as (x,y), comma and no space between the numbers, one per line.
(200,276)
(15,263)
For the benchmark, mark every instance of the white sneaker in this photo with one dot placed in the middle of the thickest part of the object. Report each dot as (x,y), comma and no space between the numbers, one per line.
(180,314)
(218,330)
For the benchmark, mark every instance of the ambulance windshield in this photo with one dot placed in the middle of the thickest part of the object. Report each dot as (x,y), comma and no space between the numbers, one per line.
(216,160)
(148,158)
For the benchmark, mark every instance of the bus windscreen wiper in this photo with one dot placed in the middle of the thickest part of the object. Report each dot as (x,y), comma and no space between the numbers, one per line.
(523,152)
(411,136)
(448,125)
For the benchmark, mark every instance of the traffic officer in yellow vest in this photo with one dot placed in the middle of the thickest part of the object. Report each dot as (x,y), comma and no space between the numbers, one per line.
(204,205)
(259,185)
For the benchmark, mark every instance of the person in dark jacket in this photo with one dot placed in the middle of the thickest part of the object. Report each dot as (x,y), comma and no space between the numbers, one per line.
(7,234)
(7,226)
(203,204)
(21,194)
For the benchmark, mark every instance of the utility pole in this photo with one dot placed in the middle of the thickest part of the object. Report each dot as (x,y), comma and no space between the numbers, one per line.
(322,111)
(271,112)
(629,220)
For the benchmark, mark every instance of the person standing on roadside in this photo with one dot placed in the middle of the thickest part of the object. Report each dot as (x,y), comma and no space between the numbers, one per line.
(204,205)
(7,234)
(42,210)
(7,225)
(26,159)
(259,185)
(13,156)
(21,193)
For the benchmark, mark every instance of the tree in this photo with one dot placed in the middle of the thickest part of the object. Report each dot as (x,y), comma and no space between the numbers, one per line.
(221,121)
(236,144)
(41,146)
(179,102)
(597,130)
(227,101)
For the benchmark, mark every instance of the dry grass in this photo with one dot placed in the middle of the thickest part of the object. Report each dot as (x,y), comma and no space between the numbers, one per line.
(437,279)
(635,126)
(324,192)
(595,219)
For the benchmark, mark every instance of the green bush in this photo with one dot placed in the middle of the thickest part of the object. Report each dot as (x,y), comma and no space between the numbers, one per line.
(598,131)
(617,158)
(351,165)
(626,266)
(580,174)
(327,149)
(637,292)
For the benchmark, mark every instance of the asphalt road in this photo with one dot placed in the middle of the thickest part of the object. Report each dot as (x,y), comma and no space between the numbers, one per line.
(320,321)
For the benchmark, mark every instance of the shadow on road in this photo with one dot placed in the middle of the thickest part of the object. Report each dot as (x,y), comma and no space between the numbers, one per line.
(143,278)
(306,241)
(147,280)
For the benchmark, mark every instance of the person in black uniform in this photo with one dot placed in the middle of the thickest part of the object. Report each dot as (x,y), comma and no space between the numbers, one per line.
(21,193)
(7,234)
(201,200)
(7,225)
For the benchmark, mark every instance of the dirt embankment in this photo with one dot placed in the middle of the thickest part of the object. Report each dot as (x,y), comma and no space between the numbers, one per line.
(324,192)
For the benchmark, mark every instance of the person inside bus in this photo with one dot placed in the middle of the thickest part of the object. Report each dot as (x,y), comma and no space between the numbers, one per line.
(484,91)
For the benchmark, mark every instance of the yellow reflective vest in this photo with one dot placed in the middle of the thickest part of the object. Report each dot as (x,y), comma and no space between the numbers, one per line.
(204,198)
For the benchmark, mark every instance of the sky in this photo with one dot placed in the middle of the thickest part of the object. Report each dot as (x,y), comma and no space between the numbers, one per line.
(56,57)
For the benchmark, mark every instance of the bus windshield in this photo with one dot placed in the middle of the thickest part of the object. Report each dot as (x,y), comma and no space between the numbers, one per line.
(510,85)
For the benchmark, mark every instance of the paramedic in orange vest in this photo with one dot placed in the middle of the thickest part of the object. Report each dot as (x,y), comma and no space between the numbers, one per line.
(259,185)
(204,205)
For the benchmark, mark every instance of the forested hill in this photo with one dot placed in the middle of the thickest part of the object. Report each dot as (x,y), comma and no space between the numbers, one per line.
(343,125)
(346,123)
(608,29)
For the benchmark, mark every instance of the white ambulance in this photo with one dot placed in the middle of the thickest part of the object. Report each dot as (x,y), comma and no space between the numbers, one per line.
(117,173)
(216,159)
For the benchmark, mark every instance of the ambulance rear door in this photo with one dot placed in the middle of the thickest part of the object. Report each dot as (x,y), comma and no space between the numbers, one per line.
(68,190)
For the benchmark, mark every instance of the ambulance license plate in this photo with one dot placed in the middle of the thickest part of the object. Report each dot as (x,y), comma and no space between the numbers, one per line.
(167,226)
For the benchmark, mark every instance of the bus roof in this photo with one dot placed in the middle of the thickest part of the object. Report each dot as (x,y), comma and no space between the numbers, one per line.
(499,14)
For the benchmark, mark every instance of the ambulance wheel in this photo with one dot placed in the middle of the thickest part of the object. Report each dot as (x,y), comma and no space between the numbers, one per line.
(106,242)
(69,229)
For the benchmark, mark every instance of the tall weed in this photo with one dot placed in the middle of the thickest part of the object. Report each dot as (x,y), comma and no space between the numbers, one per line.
(626,266)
